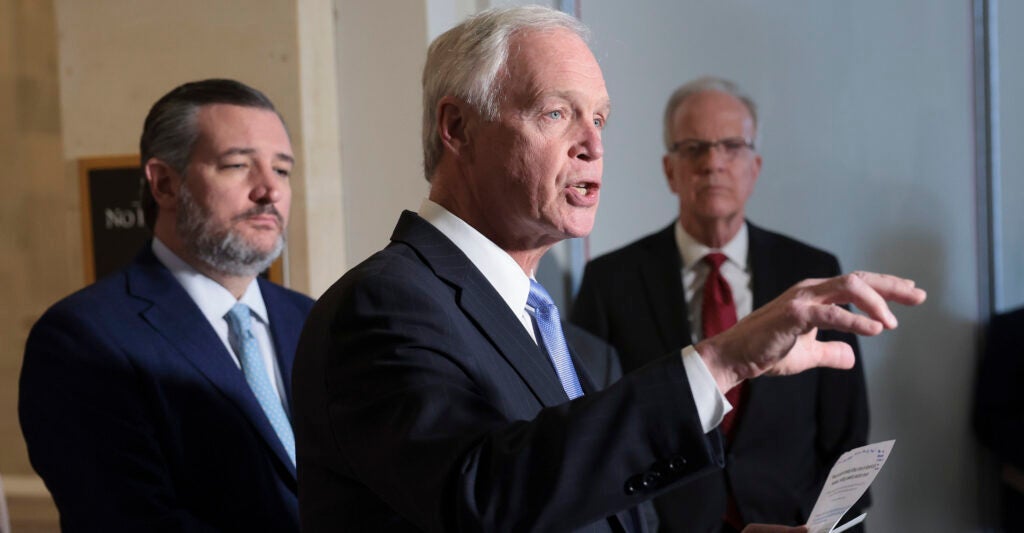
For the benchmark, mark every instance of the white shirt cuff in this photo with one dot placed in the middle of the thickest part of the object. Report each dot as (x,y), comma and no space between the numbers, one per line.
(711,403)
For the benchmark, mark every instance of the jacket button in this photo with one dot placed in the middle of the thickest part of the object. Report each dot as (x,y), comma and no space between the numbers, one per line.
(676,463)
(650,480)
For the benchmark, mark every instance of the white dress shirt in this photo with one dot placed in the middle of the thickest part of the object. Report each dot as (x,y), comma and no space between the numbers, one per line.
(695,272)
(506,276)
(501,271)
(215,301)
(735,270)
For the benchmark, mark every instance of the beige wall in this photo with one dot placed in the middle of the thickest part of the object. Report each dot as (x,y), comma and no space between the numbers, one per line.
(380,112)
(109,78)
(39,231)
(318,223)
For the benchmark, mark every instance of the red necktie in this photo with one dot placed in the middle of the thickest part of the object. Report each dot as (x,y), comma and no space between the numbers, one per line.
(718,313)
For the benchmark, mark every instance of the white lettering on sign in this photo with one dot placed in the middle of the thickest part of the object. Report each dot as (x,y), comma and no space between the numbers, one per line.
(125,218)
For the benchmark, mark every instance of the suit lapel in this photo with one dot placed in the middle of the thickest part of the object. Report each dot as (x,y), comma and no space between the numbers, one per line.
(765,273)
(176,318)
(662,278)
(482,305)
(587,381)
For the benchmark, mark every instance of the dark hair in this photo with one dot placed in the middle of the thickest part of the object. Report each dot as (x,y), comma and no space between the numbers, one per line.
(170,132)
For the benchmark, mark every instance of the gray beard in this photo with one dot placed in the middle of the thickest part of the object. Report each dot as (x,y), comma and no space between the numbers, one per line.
(223,250)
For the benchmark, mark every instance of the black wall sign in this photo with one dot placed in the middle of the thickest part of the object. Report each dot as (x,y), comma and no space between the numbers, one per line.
(114,228)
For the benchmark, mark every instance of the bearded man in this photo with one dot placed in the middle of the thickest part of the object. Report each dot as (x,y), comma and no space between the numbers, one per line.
(158,399)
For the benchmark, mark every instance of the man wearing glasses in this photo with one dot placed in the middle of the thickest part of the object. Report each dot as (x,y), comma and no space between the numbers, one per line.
(694,279)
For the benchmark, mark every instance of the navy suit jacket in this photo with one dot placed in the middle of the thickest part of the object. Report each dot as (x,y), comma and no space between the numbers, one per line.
(791,429)
(138,419)
(422,404)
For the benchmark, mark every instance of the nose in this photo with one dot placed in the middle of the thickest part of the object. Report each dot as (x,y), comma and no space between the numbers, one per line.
(713,158)
(268,185)
(589,146)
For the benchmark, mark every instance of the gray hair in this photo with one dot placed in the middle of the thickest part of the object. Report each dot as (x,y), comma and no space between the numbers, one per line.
(700,85)
(467,62)
(170,132)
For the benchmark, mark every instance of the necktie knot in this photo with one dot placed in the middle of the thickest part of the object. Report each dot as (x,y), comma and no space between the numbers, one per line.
(715,259)
(240,318)
(540,300)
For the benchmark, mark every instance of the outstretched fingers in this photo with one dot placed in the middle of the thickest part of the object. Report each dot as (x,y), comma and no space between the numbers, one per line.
(779,338)
(835,317)
(869,292)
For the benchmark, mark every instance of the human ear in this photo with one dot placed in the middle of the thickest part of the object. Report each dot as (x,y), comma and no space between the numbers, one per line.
(163,182)
(452,125)
(666,166)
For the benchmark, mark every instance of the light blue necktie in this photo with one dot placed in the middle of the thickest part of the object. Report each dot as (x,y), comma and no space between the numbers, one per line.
(545,313)
(248,351)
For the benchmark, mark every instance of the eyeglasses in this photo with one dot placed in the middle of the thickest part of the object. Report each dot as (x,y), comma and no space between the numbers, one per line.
(695,149)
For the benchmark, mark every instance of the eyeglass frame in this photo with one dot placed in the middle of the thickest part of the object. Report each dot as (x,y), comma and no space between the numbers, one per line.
(701,147)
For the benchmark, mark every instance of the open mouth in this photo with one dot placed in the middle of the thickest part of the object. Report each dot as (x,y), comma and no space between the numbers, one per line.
(584,194)
(585,188)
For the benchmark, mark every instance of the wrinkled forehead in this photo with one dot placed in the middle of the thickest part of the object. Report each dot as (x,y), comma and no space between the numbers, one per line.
(552,61)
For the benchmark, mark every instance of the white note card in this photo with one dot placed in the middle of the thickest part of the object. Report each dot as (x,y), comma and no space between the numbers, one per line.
(849,478)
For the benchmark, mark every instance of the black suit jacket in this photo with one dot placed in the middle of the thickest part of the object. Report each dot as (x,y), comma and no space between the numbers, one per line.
(138,419)
(791,429)
(999,400)
(422,404)
(999,409)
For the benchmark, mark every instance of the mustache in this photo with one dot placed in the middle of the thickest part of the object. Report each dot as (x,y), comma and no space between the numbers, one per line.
(265,209)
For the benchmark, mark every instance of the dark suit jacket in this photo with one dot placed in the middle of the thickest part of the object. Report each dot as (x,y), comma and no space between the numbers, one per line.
(999,409)
(138,419)
(422,404)
(791,429)
(999,394)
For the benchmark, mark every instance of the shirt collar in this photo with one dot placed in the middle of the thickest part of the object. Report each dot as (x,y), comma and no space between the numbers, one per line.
(212,298)
(691,251)
(503,273)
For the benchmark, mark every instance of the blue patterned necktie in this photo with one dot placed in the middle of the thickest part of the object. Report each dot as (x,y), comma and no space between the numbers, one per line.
(550,326)
(248,351)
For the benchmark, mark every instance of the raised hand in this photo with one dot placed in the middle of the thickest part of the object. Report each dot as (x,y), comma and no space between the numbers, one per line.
(779,338)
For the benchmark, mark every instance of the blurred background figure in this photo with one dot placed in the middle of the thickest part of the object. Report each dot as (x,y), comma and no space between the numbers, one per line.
(694,279)
(999,410)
